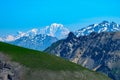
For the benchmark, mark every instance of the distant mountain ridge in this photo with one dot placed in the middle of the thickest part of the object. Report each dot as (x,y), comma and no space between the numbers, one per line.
(38,42)
(60,32)
(38,39)
(54,30)
(104,26)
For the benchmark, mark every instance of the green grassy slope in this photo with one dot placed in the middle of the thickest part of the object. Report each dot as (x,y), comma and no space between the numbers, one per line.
(36,60)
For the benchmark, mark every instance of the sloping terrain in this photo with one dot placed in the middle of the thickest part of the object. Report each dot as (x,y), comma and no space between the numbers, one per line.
(17,63)
(98,52)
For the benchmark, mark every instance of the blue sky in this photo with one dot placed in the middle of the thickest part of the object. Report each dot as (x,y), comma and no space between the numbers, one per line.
(20,15)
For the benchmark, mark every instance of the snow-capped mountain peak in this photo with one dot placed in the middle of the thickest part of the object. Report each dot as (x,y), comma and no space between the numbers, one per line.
(58,30)
(104,26)
(52,29)
(55,30)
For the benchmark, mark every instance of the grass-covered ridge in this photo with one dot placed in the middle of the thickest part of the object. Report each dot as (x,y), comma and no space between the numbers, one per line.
(36,59)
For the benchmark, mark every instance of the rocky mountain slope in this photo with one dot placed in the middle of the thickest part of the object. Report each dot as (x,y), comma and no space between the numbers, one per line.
(97,51)
(17,63)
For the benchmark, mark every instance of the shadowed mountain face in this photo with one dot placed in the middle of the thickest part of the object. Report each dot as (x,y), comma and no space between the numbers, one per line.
(98,52)
(38,42)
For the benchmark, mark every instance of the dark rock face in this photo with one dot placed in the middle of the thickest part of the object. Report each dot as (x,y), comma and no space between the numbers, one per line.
(6,72)
(99,52)
(10,70)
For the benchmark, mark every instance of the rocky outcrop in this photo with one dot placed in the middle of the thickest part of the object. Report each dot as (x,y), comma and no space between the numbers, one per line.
(98,52)
(10,70)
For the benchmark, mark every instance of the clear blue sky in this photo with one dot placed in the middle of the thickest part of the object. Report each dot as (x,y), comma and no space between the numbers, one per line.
(26,14)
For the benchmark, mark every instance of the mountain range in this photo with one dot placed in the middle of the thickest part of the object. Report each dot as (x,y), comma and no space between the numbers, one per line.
(95,47)
(96,51)
(38,39)
(104,26)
